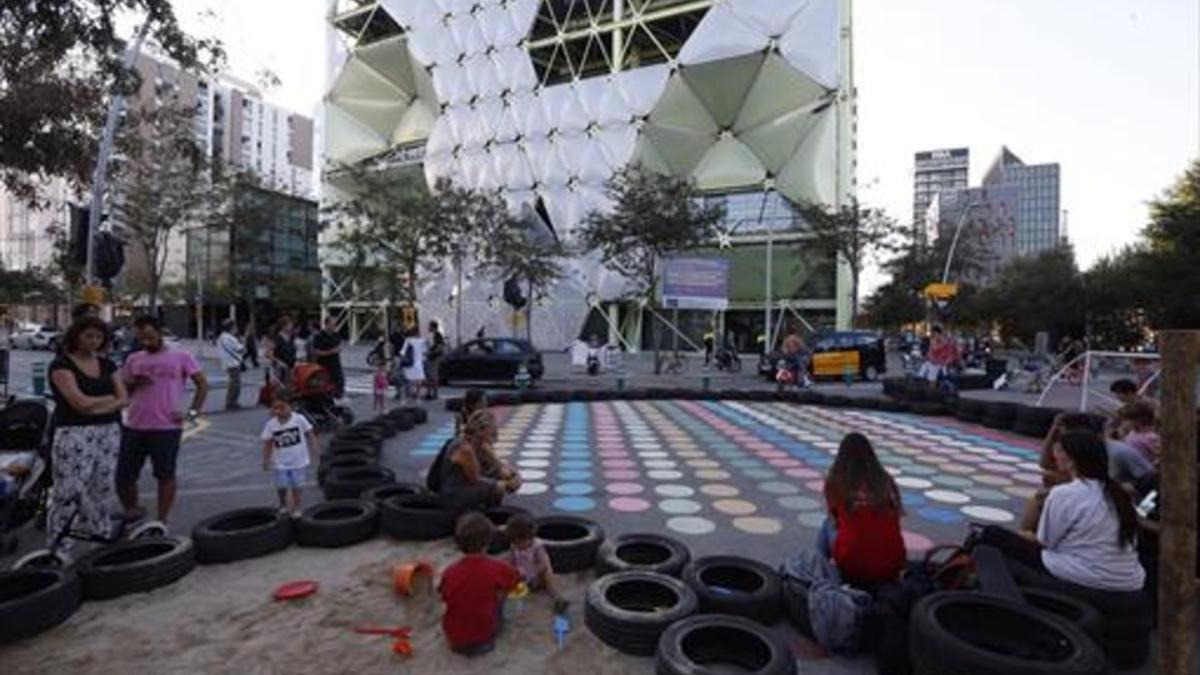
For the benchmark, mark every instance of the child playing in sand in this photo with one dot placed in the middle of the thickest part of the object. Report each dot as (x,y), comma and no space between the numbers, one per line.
(381,387)
(474,589)
(528,555)
(288,440)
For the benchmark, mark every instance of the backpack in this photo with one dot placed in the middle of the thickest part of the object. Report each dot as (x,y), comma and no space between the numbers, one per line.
(433,478)
(406,359)
(956,570)
(837,612)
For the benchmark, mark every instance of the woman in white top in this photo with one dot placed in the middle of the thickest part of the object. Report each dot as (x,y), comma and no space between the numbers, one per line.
(412,361)
(1088,529)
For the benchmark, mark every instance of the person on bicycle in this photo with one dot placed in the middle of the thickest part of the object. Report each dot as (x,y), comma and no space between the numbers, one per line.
(86,432)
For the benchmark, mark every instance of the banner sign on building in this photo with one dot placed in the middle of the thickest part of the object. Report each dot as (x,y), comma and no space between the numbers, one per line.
(695,283)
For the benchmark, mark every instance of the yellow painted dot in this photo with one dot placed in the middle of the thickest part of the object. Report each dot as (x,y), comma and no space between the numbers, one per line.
(735,507)
(756,525)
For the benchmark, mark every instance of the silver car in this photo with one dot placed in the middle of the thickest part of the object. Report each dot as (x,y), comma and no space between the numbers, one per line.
(34,337)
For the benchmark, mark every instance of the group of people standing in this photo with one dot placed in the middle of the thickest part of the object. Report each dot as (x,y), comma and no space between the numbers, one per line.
(108,421)
(282,350)
(413,366)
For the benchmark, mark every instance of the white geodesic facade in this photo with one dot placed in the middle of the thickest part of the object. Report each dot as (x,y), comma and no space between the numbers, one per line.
(543,100)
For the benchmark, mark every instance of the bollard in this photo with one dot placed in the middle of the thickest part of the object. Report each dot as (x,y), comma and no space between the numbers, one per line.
(620,384)
(848,373)
(39,378)
(522,379)
(706,382)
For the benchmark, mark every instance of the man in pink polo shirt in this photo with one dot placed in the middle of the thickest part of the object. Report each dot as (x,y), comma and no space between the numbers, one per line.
(155,377)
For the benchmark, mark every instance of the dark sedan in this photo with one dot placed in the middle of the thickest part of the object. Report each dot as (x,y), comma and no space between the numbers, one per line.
(490,360)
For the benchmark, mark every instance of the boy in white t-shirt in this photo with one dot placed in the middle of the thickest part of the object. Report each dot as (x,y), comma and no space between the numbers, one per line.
(287,442)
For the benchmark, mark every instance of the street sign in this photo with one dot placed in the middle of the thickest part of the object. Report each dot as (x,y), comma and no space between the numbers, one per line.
(942,292)
(408,317)
(93,295)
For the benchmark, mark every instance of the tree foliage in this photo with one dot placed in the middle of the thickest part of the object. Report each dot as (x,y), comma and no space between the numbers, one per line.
(853,232)
(18,287)
(653,216)
(1167,261)
(1036,293)
(162,184)
(59,62)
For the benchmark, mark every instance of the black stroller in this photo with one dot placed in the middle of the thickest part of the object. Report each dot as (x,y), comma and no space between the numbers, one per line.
(22,457)
(23,427)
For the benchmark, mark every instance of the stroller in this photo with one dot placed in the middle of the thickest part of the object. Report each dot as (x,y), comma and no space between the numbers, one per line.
(26,486)
(313,398)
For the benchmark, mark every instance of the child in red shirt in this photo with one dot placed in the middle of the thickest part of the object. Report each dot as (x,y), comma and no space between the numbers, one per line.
(474,589)
(862,533)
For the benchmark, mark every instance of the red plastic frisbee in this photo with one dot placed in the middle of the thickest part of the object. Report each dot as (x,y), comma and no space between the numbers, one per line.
(294,590)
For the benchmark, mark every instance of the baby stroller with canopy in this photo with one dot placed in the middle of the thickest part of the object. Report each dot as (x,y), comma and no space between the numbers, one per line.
(314,396)
(24,475)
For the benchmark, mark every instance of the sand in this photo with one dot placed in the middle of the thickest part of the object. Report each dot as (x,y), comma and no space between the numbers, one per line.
(221,619)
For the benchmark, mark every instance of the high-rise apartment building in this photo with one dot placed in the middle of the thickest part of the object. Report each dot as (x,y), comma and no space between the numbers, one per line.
(1038,225)
(933,171)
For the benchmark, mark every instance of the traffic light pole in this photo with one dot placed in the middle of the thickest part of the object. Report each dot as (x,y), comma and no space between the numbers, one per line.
(100,176)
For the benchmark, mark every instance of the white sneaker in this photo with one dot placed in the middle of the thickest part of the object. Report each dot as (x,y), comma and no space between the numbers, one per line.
(296,513)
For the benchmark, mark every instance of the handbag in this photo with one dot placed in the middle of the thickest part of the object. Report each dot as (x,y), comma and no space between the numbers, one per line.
(406,360)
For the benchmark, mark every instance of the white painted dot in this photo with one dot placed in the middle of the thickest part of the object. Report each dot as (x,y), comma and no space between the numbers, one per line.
(779,488)
(674,490)
(947,496)
(532,488)
(659,464)
(535,453)
(913,482)
(679,506)
(988,514)
(533,463)
(691,525)
(664,474)
(532,474)
(719,490)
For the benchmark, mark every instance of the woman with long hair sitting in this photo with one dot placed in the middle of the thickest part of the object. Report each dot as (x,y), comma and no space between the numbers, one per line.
(470,479)
(862,533)
(1088,528)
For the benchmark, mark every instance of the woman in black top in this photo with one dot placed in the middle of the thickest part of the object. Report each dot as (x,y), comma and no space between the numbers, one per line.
(88,396)
(282,353)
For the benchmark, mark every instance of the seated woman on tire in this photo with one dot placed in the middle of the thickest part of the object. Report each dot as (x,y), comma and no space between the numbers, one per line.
(471,477)
(862,532)
(1087,532)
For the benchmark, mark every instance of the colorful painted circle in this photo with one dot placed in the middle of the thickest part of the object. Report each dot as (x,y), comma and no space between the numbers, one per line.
(679,506)
(719,490)
(574,504)
(735,507)
(691,525)
(758,525)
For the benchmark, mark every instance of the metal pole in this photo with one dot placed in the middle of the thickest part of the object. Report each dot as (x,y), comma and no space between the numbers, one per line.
(1087,377)
(954,242)
(458,302)
(100,175)
(762,210)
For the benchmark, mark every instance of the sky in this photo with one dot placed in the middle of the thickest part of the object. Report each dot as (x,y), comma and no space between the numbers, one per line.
(1110,89)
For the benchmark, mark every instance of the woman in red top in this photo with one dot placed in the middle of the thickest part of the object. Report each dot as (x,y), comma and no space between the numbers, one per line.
(862,533)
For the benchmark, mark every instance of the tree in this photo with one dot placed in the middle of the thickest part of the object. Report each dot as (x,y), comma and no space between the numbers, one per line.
(852,232)
(653,217)
(163,184)
(1038,293)
(59,62)
(68,275)
(527,253)
(1167,268)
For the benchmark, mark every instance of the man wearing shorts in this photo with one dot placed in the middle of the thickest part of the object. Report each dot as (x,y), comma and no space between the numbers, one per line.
(155,377)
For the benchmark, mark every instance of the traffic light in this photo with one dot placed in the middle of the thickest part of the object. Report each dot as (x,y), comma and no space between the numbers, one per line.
(77,238)
(512,293)
(110,256)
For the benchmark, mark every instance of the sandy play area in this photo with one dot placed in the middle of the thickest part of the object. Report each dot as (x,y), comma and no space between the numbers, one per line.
(221,619)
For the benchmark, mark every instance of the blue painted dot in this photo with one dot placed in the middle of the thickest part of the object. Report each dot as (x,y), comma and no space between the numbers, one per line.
(576,454)
(912,499)
(575,464)
(574,489)
(940,515)
(747,462)
(574,475)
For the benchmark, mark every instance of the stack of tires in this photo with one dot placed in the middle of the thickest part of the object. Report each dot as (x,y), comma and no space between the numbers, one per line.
(241,534)
(1034,421)
(1000,415)
(350,464)
(969,410)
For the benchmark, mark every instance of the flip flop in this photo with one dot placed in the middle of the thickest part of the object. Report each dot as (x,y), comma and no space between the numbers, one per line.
(295,590)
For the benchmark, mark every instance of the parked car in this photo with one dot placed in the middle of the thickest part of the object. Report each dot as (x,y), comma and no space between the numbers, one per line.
(490,360)
(34,337)
(832,354)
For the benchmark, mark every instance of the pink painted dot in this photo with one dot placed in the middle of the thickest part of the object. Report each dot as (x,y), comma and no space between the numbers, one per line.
(615,444)
(1000,468)
(624,488)
(628,504)
(916,543)
(614,453)
(785,462)
(816,485)
(759,445)
(1029,478)
(620,474)
(803,473)
(619,463)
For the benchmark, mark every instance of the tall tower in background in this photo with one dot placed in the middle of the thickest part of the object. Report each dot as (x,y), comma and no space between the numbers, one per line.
(935,170)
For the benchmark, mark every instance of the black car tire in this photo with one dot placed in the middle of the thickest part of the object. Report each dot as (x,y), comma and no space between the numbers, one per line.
(386,425)
(417,518)
(647,552)
(351,483)
(135,566)
(1126,621)
(1072,609)
(338,523)
(1034,421)
(969,410)
(839,401)
(570,541)
(383,493)
(893,405)
(34,600)
(999,415)
(453,405)
(403,418)
(347,463)
(350,447)
(927,409)
(419,414)
(629,611)
(241,534)
(708,644)
(963,632)
(361,434)
(499,516)
(736,585)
